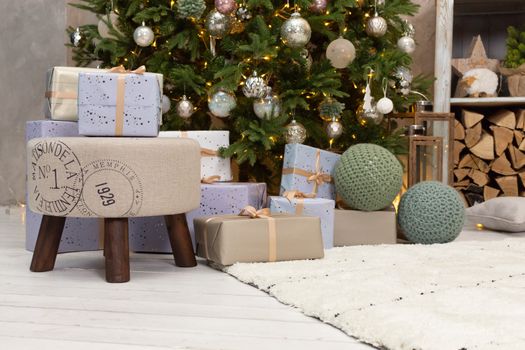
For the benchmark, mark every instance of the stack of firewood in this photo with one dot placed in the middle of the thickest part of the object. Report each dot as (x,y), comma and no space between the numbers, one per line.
(489,155)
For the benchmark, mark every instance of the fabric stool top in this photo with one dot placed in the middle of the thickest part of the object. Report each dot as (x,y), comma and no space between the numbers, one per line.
(113,177)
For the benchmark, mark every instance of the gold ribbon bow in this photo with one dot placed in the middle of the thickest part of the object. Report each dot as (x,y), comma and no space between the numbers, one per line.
(121,87)
(265,213)
(210,179)
(299,197)
(317,177)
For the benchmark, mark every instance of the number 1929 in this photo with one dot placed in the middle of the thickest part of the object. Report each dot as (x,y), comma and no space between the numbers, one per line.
(105,194)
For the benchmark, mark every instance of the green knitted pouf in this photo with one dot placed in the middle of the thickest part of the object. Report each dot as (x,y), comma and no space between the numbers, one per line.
(431,212)
(368,177)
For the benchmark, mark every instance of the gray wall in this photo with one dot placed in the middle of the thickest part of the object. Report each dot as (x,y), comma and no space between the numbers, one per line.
(32,37)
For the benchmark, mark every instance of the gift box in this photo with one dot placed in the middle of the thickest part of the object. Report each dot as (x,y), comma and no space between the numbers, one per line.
(119,104)
(150,234)
(212,166)
(80,234)
(309,170)
(320,207)
(229,239)
(62,90)
(354,227)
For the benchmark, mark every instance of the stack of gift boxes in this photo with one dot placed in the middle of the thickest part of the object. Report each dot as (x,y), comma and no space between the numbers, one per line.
(236,222)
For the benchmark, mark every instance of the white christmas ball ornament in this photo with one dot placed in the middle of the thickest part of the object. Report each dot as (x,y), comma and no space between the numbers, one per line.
(184,108)
(296,31)
(385,105)
(143,35)
(103,28)
(221,103)
(166,104)
(340,52)
(267,107)
(218,24)
(406,44)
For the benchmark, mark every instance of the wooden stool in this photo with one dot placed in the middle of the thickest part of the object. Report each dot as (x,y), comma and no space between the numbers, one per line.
(77,177)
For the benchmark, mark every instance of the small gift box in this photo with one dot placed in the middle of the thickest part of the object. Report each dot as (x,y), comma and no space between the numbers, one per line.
(297,203)
(151,235)
(255,236)
(80,234)
(119,103)
(309,170)
(354,227)
(212,166)
(62,91)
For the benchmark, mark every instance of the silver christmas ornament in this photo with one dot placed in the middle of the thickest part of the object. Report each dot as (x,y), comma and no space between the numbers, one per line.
(404,78)
(166,104)
(406,44)
(376,26)
(75,37)
(218,24)
(221,103)
(340,52)
(243,14)
(143,35)
(296,31)
(184,108)
(267,107)
(295,132)
(385,105)
(334,129)
(254,86)
(369,115)
(103,28)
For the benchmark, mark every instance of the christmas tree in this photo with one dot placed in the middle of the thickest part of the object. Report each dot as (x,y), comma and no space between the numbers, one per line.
(261,68)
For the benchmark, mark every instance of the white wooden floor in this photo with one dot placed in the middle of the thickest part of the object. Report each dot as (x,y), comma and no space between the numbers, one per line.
(163,307)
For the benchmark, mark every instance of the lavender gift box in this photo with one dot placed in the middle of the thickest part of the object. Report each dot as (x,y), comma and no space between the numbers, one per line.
(320,207)
(150,234)
(302,162)
(119,104)
(80,234)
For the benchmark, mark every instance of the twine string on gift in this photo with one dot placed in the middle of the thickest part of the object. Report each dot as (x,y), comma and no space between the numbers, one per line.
(265,213)
(299,198)
(121,88)
(317,177)
(210,179)
(206,152)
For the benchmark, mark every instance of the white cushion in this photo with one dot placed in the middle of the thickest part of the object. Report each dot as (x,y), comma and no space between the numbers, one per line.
(500,214)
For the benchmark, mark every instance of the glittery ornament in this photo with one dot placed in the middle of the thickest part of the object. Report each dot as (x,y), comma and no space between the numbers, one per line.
(376,26)
(221,103)
(334,129)
(225,6)
(143,35)
(340,52)
(190,8)
(243,13)
(404,80)
(296,31)
(166,104)
(75,37)
(217,24)
(406,44)
(103,28)
(184,108)
(295,132)
(318,6)
(330,109)
(267,107)
(254,86)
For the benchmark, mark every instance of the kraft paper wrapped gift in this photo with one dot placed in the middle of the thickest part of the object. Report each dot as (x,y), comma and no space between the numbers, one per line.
(119,104)
(211,141)
(354,227)
(229,239)
(309,170)
(80,234)
(320,207)
(62,91)
(150,234)
(112,177)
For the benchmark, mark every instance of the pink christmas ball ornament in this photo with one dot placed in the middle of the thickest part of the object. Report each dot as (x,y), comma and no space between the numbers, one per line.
(225,6)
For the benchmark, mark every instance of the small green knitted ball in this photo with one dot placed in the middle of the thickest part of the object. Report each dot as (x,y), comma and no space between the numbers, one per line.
(190,8)
(431,212)
(368,177)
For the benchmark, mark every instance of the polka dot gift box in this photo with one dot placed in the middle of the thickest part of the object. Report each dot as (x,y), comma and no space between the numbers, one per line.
(119,104)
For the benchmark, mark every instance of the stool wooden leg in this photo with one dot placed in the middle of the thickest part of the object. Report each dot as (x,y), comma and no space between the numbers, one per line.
(180,240)
(116,250)
(46,248)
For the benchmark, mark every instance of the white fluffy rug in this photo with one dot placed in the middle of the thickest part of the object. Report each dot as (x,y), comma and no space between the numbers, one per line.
(465,295)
